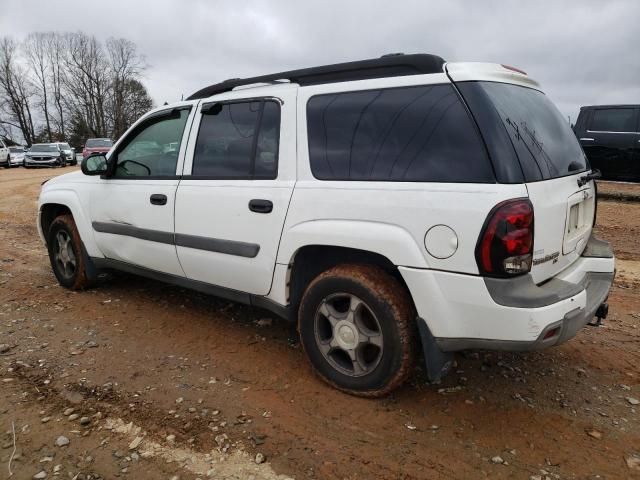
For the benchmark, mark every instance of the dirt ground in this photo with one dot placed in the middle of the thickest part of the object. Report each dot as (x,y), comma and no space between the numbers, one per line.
(166,383)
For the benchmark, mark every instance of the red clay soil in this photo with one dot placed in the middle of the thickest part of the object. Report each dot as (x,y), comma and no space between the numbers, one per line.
(212,378)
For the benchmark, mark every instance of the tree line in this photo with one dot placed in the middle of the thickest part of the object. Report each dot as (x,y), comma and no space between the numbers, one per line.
(69,87)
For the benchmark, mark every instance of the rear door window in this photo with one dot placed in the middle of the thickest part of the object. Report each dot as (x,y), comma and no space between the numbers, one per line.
(613,120)
(238,140)
(410,134)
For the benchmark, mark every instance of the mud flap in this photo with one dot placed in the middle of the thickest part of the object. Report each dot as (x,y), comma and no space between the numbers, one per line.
(437,362)
(91,269)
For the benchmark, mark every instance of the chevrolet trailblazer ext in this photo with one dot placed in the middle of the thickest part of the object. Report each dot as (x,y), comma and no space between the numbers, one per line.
(381,205)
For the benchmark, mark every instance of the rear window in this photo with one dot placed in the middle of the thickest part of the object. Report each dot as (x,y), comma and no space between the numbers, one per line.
(542,138)
(45,147)
(411,134)
(99,142)
(613,120)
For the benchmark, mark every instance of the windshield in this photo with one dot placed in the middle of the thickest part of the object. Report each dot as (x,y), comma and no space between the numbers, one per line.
(545,145)
(44,147)
(65,146)
(99,142)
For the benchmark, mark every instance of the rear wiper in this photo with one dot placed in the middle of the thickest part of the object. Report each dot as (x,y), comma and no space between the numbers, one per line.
(595,173)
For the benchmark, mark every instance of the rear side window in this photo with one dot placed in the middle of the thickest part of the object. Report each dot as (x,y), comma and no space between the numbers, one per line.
(542,138)
(613,120)
(411,134)
(238,141)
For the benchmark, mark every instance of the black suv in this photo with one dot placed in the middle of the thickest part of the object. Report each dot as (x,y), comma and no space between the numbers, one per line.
(610,136)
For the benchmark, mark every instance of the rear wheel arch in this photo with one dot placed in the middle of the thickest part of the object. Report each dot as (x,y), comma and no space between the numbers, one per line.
(310,261)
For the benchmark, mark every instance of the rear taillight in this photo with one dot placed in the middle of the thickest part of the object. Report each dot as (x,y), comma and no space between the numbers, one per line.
(505,246)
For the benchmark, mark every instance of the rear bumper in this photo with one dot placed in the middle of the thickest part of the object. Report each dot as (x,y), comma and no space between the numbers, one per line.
(465,311)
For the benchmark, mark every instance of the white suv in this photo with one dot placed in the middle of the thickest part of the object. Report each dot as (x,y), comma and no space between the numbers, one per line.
(5,155)
(382,205)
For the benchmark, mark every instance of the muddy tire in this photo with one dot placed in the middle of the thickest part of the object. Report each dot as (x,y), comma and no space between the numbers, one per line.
(66,253)
(357,326)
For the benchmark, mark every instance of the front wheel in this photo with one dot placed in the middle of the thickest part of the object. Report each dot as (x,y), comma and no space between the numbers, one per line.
(8,165)
(66,254)
(356,325)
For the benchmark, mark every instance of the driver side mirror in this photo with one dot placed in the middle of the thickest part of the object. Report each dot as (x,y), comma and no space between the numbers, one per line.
(94,164)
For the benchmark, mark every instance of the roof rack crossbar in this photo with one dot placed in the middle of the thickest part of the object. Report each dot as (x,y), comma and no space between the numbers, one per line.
(386,66)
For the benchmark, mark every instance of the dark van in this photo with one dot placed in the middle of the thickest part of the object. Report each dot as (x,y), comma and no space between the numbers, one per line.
(610,136)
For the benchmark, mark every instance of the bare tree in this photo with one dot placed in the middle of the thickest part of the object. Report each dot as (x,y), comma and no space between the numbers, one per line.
(86,80)
(77,87)
(15,95)
(125,65)
(36,49)
(55,55)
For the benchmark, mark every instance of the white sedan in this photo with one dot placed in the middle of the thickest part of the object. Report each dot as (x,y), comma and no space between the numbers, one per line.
(16,156)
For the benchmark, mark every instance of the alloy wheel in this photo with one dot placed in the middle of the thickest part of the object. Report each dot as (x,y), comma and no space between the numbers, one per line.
(64,256)
(348,334)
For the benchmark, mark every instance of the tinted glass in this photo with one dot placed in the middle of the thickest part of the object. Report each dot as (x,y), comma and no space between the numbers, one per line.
(153,150)
(227,143)
(401,134)
(613,120)
(543,140)
(268,139)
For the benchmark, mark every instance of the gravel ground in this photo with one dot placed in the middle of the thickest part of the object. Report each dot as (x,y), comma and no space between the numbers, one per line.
(136,379)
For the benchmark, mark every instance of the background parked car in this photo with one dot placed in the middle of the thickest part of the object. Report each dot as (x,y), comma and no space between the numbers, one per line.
(69,153)
(610,136)
(45,155)
(93,145)
(4,155)
(17,156)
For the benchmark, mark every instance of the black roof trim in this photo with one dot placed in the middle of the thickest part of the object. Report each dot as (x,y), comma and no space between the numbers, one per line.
(394,65)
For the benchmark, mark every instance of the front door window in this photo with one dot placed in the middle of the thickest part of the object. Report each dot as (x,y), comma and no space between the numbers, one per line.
(152,150)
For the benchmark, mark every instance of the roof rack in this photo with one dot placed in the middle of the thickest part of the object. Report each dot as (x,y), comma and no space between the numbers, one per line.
(393,65)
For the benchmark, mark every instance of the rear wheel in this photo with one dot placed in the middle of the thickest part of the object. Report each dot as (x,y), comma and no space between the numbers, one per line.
(356,325)
(66,254)
(8,165)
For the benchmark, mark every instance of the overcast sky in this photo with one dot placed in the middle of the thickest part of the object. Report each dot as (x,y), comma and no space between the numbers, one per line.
(582,52)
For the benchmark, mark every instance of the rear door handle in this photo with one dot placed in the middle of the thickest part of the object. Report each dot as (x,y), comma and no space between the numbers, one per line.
(260,206)
(158,199)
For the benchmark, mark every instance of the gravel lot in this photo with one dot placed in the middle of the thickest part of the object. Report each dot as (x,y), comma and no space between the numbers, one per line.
(136,379)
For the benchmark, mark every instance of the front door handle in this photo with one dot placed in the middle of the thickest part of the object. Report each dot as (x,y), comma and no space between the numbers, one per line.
(586,139)
(260,206)
(158,199)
